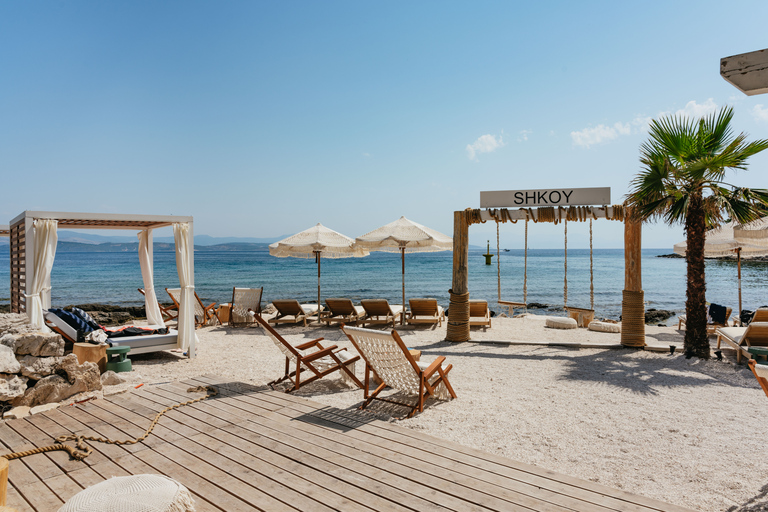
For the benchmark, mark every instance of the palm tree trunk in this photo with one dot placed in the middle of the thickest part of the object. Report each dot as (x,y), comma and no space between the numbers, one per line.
(696,338)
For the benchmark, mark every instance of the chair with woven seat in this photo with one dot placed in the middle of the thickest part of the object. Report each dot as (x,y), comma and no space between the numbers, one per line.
(319,362)
(169,312)
(243,301)
(341,311)
(380,312)
(761,374)
(479,314)
(204,315)
(387,356)
(425,311)
(291,311)
(748,341)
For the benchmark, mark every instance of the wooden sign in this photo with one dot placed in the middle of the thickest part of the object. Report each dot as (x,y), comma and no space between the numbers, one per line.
(545,197)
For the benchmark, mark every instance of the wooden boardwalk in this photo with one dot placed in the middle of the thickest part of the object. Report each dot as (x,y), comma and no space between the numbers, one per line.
(251,448)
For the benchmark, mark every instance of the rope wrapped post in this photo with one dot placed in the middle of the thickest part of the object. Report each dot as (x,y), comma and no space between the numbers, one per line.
(458,312)
(632,305)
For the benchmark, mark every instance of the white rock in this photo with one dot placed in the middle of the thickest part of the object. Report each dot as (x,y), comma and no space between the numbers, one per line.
(43,408)
(40,344)
(38,367)
(8,362)
(17,412)
(9,340)
(110,378)
(12,386)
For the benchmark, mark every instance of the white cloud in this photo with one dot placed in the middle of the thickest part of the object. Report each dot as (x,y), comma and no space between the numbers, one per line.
(484,144)
(524,135)
(367,155)
(600,133)
(760,113)
(694,110)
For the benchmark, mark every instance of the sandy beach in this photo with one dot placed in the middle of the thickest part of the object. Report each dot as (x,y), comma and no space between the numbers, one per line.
(679,430)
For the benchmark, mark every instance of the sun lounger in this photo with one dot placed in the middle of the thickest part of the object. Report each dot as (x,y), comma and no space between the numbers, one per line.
(380,312)
(290,311)
(318,362)
(761,374)
(479,314)
(169,312)
(387,356)
(341,311)
(243,301)
(425,311)
(204,315)
(711,325)
(748,341)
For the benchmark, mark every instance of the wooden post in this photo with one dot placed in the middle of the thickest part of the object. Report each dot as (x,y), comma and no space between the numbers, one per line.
(458,313)
(632,306)
(3,480)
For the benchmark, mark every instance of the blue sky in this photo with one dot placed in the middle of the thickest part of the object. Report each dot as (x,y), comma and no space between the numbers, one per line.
(261,119)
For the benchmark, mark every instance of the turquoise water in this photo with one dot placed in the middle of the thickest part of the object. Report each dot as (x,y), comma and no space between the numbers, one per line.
(113,278)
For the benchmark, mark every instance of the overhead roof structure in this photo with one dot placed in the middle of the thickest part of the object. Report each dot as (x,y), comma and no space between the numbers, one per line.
(748,72)
(71,220)
(5,230)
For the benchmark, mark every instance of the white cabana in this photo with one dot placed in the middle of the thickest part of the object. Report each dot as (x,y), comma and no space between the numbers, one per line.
(33,248)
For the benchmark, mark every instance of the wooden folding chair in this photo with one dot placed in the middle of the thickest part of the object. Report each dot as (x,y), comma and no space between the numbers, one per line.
(341,311)
(203,314)
(748,341)
(425,311)
(380,312)
(169,312)
(290,311)
(479,314)
(387,356)
(243,301)
(320,362)
(761,374)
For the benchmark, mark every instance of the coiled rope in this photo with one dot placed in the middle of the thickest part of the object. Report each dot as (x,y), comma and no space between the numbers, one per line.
(81,450)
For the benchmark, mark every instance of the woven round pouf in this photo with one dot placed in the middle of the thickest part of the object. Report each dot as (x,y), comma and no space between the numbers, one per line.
(559,322)
(604,326)
(138,493)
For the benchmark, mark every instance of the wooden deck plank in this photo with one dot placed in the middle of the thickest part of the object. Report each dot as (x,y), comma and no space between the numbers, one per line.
(465,490)
(19,503)
(555,482)
(459,492)
(251,448)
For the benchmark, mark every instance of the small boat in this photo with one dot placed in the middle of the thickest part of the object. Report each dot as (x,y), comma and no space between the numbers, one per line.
(506,250)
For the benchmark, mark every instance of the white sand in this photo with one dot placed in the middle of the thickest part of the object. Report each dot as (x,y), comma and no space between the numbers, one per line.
(679,430)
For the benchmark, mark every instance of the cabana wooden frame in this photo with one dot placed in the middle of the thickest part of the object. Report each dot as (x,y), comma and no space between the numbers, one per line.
(632,308)
(22,248)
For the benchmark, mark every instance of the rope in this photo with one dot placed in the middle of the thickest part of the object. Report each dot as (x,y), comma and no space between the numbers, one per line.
(458,319)
(565,275)
(498,261)
(633,319)
(81,450)
(591,272)
(525,268)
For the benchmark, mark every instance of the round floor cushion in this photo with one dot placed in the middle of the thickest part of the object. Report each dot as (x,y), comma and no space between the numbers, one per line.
(604,326)
(559,322)
(138,493)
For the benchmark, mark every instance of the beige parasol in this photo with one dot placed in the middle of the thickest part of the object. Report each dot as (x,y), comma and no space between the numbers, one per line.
(403,236)
(315,242)
(743,240)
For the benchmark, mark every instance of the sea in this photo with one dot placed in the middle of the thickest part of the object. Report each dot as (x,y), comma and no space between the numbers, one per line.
(114,277)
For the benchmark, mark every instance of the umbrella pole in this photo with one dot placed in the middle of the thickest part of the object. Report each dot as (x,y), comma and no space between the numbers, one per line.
(402,259)
(317,257)
(738,265)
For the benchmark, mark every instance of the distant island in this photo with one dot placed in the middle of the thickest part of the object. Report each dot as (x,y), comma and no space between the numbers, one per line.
(157,247)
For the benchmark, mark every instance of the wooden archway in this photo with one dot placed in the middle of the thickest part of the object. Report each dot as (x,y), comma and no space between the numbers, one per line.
(632,308)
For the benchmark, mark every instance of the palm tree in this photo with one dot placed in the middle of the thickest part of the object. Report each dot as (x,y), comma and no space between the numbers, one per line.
(682,182)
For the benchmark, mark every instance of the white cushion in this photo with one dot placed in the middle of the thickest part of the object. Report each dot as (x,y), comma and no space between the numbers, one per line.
(604,326)
(558,322)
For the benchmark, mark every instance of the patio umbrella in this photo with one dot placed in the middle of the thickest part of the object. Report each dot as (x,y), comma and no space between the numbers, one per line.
(745,240)
(403,236)
(315,242)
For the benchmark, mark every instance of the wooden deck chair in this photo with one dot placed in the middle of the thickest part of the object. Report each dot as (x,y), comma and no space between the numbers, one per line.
(711,326)
(380,312)
(318,363)
(204,315)
(290,311)
(243,301)
(479,314)
(341,311)
(748,341)
(387,356)
(761,374)
(169,312)
(425,311)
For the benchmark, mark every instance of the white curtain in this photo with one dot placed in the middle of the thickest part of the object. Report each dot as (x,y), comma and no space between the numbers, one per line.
(45,237)
(154,317)
(184,265)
